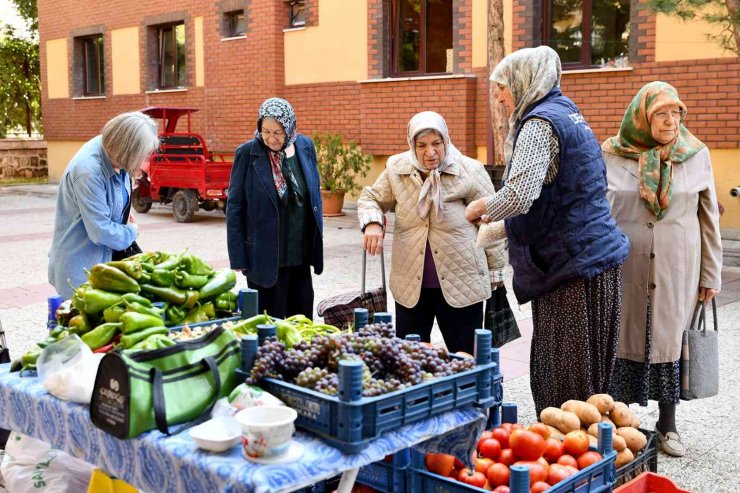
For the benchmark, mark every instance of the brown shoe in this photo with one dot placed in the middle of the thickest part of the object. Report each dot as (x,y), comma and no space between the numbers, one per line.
(671,443)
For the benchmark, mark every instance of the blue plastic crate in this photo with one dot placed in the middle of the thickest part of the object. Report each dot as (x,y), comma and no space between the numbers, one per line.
(349,421)
(597,478)
(387,476)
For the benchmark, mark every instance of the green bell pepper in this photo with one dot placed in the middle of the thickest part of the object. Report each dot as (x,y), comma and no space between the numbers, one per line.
(97,300)
(185,280)
(195,315)
(226,301)
(224,280)
(135,298)
(156,341)
(129,340)
(113,313)
(249,325)
(163,277)
(194,265)
(168,263)
(173,315)
(105,277)
(80,324)
(78,298)
(131,268)
(170,294)
(101,335)
(134,321)
(31,357)
(192,299)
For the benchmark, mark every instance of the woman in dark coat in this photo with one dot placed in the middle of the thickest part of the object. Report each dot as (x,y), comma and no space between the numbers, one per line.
(273,214)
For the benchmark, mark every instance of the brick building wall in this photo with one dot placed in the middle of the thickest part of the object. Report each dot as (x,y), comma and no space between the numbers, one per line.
(241,73)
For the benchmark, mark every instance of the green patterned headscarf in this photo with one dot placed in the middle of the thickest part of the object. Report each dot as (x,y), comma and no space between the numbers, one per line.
(635,141)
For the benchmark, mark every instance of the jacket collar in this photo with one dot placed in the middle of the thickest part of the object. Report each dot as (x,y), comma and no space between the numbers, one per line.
(105,163)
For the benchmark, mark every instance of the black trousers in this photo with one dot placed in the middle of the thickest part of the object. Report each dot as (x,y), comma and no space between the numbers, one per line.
(291,295)
(456,324)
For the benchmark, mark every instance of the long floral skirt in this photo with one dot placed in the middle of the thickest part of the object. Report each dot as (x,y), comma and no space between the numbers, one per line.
(575,339)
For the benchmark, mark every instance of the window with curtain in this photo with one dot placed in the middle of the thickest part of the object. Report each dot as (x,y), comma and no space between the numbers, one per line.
(93,65)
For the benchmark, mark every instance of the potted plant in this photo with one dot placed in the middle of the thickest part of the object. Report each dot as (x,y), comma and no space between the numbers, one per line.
(339,166)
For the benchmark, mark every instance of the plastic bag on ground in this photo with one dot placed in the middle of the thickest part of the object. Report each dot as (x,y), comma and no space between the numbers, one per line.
(32,465)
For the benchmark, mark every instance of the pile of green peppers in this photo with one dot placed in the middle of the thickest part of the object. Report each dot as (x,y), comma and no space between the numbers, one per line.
(115,307)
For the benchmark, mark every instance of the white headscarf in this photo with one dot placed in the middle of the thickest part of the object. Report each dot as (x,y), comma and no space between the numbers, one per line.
(529,73)
(432,192)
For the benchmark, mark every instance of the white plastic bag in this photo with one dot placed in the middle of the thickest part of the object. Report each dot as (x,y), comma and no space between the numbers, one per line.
(32,465)
(67,369)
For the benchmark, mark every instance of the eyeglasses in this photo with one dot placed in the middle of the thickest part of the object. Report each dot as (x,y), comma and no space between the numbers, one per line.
(266,134)
(675,115)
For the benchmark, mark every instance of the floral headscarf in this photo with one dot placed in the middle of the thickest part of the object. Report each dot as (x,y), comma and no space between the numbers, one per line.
(281,111)
(635,141)
(432,192)
(529,73)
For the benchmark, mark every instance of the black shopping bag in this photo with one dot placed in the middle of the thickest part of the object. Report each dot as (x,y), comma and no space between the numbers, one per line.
(499,318)
(338,310)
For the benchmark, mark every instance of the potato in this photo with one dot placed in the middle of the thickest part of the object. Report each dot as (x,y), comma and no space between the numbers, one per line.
(618,443)
(593,441)
(634,438)
(635,422)
(587,413)
(593,430)
(555,433)
(602,402)
(624,456)
(562,420)
(606,419)
(621,414)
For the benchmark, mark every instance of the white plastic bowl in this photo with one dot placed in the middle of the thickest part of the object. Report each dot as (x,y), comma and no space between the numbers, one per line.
(218,434)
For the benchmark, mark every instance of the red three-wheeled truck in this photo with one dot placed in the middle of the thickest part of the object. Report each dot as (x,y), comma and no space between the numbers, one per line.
(182,171)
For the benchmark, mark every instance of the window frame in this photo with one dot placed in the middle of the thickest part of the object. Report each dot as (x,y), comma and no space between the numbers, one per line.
(586,31)
(160,56)
(100,62)
(230,23)
(292,14)
(395,15)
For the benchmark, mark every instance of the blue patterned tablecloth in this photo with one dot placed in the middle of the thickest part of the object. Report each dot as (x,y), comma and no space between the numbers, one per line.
(154,462)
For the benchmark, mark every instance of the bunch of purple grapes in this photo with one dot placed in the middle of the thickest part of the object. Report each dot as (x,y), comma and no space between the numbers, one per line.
(389,363)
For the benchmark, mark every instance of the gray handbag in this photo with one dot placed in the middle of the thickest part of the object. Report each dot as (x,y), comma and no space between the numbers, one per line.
(700,356)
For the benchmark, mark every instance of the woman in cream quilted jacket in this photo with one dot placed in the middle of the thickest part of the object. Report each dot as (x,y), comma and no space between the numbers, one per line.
(437,270)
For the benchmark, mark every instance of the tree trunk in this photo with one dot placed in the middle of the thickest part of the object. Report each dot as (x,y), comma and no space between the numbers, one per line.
(732,8)
(499,123)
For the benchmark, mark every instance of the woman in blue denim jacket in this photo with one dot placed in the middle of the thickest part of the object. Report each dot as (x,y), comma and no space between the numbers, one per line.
(93,193)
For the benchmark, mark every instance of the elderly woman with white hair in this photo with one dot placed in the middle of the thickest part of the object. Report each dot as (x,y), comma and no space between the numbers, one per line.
(565,247)
(436,268)
(93,194)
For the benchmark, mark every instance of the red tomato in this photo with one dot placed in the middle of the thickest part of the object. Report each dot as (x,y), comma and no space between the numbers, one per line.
(587,458)
(553,450)
(459,464)
(506,426)
(537,471)
(502,436)
(541,429)
(490,448)
(485,436)
(539,487)
(576,442)
(517,426)
(572,470)
(498,474)
(507,457)
(557,473)
(473,478)
(502,489)
(441,464)
(545,464)
(482,464)
(567,460)
(527,445)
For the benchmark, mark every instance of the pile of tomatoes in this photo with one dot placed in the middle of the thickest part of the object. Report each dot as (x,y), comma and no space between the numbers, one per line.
(549,460)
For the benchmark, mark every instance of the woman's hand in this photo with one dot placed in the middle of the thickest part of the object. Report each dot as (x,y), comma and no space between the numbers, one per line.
(373,241)
(131,218)
(706,294)
(475,209)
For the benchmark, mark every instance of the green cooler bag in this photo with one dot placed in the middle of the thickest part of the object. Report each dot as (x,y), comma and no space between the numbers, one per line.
(154,389)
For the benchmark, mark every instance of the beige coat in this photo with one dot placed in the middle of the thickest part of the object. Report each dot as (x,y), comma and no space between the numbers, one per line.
(463,268)
(670,258)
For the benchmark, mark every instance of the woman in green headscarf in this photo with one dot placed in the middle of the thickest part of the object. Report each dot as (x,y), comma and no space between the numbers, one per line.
(661,190)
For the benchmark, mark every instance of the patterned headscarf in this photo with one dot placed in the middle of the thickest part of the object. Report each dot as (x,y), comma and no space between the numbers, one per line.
(281,111)
(529,73)
(432,192)
(635,141)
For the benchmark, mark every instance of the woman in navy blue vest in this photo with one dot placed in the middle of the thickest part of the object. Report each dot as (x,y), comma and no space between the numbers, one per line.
(564,245)
(273,214)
